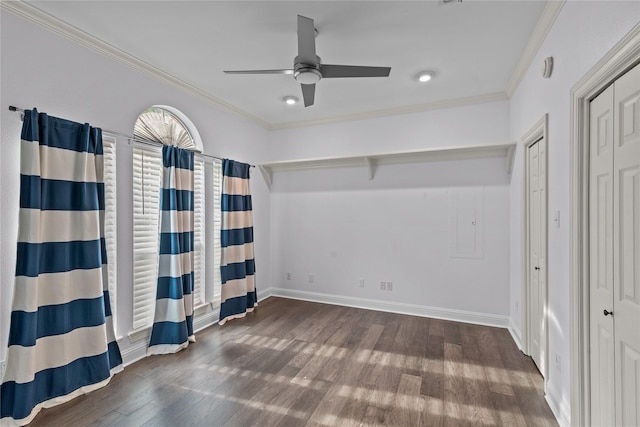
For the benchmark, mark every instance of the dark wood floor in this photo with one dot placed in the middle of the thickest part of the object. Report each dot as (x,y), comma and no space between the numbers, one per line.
(296,363)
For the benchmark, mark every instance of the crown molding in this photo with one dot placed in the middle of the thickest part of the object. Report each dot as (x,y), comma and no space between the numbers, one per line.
(438,105)
(546,21)
(57,26)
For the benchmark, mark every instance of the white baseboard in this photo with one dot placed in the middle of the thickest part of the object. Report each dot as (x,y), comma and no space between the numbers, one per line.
(136,347)
(206,316)
(264,294)
(137,350)
(514,330)
(559,404)
(395,307)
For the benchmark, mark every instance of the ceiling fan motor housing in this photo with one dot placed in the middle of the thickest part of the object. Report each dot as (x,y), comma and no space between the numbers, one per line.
(307,74)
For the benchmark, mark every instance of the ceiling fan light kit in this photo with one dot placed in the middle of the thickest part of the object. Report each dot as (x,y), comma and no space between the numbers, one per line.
(307,74)
(308,68)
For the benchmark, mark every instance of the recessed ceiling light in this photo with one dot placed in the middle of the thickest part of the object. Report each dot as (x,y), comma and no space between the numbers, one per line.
(425,76)
(290,100)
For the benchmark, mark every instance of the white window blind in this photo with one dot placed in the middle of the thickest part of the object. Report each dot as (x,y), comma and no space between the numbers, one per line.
(110,217)
(199,261)
(147,176)
(217,226)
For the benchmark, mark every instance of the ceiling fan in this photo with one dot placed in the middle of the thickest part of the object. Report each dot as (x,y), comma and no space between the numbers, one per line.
(307,68)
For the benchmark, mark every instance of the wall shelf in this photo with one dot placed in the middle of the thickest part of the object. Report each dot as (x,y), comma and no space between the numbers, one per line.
(371,162)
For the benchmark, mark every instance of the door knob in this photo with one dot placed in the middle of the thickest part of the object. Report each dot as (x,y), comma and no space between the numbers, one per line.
(607,312)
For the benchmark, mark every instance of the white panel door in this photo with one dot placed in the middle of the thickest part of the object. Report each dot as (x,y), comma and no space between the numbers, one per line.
(535,213)
(537,250)
(614,233)
(601,259)
(626,247)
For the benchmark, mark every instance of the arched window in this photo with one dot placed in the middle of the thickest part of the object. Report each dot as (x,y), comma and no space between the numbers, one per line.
(168,126)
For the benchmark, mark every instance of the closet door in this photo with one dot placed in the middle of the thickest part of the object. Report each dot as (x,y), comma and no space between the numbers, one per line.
(626,247)
(537,198)
(601,260)
(614,234)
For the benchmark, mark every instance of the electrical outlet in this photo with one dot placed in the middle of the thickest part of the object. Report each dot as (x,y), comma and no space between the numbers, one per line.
(361,282)
(517,307)
(288,276)
(389,286)
(312,278)
(558,365)
(383,286)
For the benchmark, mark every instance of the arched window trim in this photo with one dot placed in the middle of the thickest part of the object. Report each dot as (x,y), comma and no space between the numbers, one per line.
(184,122)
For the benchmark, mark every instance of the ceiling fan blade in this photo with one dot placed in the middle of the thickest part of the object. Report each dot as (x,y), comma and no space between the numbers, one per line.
(308,94)
(332,71)
(259,72)
(306,41)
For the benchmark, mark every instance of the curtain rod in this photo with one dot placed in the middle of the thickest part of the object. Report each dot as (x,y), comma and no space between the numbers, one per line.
(130,137)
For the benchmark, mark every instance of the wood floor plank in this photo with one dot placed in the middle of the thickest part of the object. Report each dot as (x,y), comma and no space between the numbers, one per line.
(355,407)
(296,363)
(304,352)
(507,410)
(436,327)
(328,409)
(334,353)
(269,404)
(408,406)
(497,374)
(382,352)
(475,378)
(452,333)
(455,400)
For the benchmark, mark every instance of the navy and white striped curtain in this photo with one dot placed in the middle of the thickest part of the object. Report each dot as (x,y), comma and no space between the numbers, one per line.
(61,337)
(237,266)
(173,321)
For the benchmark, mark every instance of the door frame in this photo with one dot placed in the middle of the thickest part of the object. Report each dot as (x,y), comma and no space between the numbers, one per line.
(621,58)
(538,131)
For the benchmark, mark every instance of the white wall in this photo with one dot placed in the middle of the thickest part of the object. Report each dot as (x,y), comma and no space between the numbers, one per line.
(63,79)
(340,227)
(473,124)
(583,33)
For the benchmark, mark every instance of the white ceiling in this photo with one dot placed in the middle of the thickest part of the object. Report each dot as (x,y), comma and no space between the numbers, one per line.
(474,48)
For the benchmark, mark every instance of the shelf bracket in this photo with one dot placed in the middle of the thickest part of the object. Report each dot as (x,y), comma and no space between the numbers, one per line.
(267,175)
(510,154)
(371,166)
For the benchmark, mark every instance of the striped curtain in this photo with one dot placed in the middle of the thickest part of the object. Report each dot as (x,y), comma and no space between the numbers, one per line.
(173,321)
(237,266)
(61,337)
